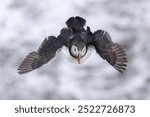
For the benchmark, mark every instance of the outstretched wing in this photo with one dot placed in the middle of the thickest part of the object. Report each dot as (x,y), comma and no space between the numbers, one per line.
(36,59)
(113,53)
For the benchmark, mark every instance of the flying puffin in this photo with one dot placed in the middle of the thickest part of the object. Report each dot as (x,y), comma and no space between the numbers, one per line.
(77,39)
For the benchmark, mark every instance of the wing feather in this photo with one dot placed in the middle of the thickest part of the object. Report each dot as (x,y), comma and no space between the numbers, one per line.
(113,53)
(36,59)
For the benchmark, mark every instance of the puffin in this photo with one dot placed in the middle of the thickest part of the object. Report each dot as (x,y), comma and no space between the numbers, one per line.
(77,39)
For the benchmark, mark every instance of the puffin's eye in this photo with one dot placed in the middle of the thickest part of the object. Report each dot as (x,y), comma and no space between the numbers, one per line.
(75,49)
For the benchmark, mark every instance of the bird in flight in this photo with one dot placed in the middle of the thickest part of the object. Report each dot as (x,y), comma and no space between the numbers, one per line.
(77,39)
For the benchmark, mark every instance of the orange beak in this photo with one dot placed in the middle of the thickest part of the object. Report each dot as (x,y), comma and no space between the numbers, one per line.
(78,58)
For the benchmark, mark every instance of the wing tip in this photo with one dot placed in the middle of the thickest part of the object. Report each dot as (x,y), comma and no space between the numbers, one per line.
(26,65)
(121,59)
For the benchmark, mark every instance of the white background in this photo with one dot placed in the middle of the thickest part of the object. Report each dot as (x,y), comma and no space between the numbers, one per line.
(8,108)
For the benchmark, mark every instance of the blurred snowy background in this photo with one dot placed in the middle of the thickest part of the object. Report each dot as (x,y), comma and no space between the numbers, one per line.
(25,23)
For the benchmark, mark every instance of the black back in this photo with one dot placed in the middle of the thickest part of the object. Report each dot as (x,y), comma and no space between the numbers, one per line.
(76,23)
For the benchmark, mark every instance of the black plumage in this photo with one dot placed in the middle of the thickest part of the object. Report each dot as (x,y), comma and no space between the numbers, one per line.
(77,39)
(36,59)
(109,51)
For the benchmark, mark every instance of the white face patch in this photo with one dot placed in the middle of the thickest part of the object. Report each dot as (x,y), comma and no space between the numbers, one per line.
(74,51)
(74,60)
(78,50)
(83,52)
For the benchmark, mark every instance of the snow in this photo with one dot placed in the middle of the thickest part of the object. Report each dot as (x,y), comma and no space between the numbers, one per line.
(24,25)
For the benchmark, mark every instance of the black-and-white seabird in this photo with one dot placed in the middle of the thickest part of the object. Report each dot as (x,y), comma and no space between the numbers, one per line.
(77,39)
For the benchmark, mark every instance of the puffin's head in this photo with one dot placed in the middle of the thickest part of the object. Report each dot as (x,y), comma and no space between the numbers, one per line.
(78,50)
